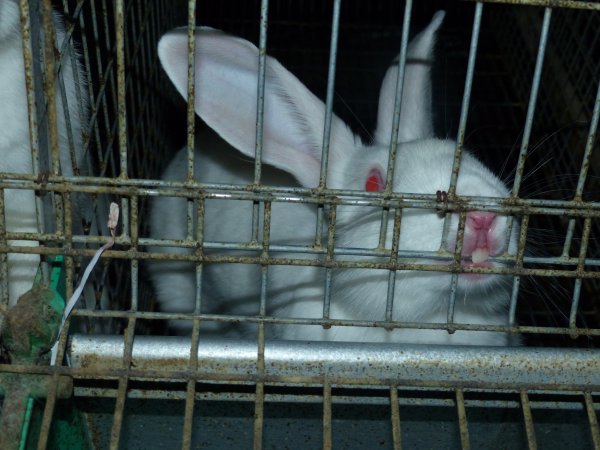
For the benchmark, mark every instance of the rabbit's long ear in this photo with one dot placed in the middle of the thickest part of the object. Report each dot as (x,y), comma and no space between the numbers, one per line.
(415,115)
(226,72)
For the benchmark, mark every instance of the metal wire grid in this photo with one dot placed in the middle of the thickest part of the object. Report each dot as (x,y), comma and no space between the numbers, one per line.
(570,60)
(87,23)
(122,139)
(124,371)
(144,128)
(547,207)
(91,29)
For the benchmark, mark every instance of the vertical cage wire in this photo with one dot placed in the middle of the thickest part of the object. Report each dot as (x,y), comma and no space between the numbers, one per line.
(327,416)
(591,413)
(395,417)
(532,100)
(462,420)
(122,138)
(528,418)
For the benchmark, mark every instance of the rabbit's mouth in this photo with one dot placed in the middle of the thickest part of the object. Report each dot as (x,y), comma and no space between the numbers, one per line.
(485,264)
(478,258)
(476,277)
(480,255)
(475,261)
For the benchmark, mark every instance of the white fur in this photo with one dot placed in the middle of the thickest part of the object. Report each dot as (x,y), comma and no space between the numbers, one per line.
(20,211)
(226,80)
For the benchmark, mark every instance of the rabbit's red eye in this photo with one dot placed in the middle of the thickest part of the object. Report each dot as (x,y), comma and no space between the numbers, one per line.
(375,182)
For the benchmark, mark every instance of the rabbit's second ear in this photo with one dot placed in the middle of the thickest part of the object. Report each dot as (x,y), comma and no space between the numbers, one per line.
(416,121)
(226,72)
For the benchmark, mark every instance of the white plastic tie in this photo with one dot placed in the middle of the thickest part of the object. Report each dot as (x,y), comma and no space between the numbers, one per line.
(113,220)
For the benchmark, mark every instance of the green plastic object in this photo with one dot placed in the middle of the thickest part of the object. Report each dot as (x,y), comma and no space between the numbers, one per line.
(69,429)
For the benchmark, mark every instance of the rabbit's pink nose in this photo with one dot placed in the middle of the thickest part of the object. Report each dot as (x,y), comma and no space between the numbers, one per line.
(480,223)
(478,230)
(478,219)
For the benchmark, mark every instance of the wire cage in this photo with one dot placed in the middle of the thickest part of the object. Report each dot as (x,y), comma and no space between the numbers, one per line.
(515,83)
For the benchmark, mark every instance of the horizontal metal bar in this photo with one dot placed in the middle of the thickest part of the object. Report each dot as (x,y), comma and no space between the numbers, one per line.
(571,4)
(349,363)
(306,262)
(415,396)
(139,187)
(56,239)
(327,322)
(381,265)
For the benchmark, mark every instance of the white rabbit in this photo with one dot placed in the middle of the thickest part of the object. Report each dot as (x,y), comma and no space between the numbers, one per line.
(226,86)
(20,210)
